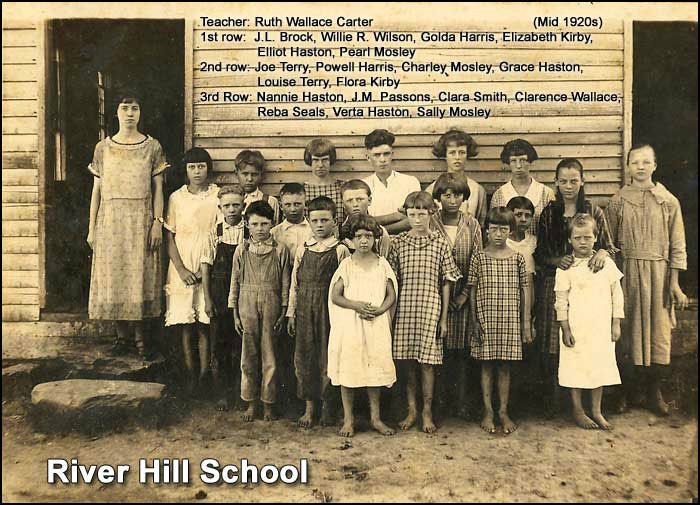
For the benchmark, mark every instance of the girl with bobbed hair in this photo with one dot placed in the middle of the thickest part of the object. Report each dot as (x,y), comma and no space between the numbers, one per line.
(320,155)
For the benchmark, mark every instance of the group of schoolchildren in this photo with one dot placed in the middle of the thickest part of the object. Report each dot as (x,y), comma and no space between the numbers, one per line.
(328,293)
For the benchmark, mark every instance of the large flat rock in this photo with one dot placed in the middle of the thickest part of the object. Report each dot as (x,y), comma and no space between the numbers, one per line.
(93,405)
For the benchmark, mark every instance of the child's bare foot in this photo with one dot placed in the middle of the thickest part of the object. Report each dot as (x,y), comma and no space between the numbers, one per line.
(409,421)
(428,424)
(348,430)
(382,428)
(487,423)
(583,421)
(602,423)
(249,414)
(222,405)
(268,414)
(305,421)
(508,425)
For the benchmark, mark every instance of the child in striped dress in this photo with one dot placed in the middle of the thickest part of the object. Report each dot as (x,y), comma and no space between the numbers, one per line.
(425,269)
(463,233)
(500,309)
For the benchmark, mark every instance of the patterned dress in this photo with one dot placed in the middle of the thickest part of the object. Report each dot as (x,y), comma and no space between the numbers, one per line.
(422,265)
(126,279)
(467,241)
(539,194)
(647,225)
(498,283)
(553,241)
(332,191)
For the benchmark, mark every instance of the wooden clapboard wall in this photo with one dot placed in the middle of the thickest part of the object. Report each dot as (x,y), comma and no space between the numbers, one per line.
(22,262)
(590,132)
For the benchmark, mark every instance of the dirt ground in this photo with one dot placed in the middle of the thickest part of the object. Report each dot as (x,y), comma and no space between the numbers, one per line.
(645,459)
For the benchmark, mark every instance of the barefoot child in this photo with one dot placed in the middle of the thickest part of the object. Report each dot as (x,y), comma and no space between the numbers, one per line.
(424,268)
(217,262)
(587,357)
(500,308)
(192,212)
(363,290)
(357,197)
(553,251)
(463,233)
(250,168)
(314,265)
(259,298)
(647,224)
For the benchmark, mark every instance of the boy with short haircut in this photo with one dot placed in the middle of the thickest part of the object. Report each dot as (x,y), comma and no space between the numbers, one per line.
(314,265)
(250,167)
(390,188)
(259,298)
(295,229)
(521,240)
(357,197)
(216,281)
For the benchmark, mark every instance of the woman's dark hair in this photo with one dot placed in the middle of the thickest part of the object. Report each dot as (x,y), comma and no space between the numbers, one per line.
(198,155)
(581,198)
(260,208)
(518,147)
(363,222)
(457,138)
(454,182)
(502,216)
(379,137)
(318,148)
(126,97)
(322,203)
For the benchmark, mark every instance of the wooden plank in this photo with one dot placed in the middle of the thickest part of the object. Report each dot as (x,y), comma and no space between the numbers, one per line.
(459,18)
(26,212)
(409,126)
(19,72)
(20,262)
(427,140)
(19,125)
(20,245)
(20,280)
(20,312)
(19,228)
(408,166)
(422,55)
(585,73)
(188,84)
(19,143)
(432,89)
(21,161)
(11,196)
(421,153)
(12,296)
(17,24)
(45,48)
(19,108)
(29,177)
(19,38)
(19,55)
(628,87)
(598,42)
(569,108)
(19,90)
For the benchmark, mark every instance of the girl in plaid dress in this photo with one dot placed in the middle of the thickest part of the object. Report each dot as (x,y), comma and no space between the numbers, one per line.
(320,155)
(424,268)
(500,308)
(463,233)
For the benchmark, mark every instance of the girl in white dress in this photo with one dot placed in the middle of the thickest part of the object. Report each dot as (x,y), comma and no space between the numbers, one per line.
(589,309)
(363,290)
(193,211)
